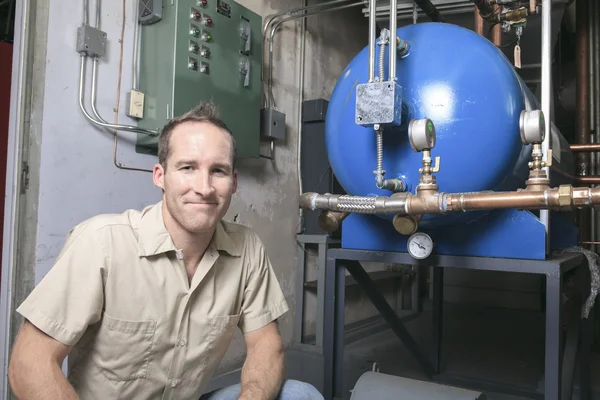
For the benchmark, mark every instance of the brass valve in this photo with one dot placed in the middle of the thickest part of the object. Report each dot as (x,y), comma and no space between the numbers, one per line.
(428,169)
(537,156)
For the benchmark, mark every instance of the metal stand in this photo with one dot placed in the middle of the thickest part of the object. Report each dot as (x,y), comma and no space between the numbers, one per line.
(339,260)
(324,242)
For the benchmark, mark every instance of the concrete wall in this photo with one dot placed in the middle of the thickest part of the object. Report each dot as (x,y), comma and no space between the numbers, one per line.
(78,177)
(267,197)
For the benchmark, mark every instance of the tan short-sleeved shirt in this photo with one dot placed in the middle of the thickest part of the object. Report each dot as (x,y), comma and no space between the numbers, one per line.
(119,294)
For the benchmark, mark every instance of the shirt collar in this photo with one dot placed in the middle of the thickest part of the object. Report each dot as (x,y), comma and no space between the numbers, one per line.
(153,237)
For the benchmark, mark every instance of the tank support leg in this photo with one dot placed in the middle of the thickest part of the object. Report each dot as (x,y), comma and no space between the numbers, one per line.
(389,315)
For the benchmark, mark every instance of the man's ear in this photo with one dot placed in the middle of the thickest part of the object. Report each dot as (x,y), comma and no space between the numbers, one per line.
(158,176)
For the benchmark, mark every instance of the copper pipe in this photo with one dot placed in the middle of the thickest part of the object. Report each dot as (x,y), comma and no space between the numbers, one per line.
(478,21)
(585,148)
(532,4)
(590,180)
(582,122)
(592,243)
(431,202)
(486,201)
(496,33)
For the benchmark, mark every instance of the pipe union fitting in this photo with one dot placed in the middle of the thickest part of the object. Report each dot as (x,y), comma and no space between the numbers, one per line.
(564,196)
(581,197)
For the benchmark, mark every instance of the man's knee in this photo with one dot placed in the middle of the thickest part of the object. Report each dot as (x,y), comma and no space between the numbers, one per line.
(297,390)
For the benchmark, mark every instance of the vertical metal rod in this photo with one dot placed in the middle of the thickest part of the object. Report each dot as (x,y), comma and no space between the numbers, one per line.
(594,164)
(392,48)
(340,302)
(438,316)
(546,97)
(298,331)
(322,266)
(591,60)
(582,121)
(415,15)
(372,33)
(552,375)
(595,92)
(329,329)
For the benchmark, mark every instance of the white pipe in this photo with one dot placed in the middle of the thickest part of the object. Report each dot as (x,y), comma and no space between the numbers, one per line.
(372,8)
(546,98)
(392,47)
(13,198)
(300,115)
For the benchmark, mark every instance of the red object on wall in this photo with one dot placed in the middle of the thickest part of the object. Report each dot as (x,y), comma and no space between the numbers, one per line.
(6,53)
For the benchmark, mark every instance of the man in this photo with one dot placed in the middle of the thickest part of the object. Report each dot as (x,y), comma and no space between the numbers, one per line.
(146,303)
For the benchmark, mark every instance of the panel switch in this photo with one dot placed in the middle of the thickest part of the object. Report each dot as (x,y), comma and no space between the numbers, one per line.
(204,68)
(246,35)
(205,52)
(245,70)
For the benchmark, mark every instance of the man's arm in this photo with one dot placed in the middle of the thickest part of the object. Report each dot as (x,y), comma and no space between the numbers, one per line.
(262,374)
(35,370)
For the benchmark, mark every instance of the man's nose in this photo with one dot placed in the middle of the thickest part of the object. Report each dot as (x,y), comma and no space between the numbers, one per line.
(203,184)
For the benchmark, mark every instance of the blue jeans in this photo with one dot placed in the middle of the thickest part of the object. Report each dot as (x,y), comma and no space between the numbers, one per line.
(291,390)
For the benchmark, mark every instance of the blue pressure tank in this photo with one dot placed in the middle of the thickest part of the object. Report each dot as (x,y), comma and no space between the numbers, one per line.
(469,89)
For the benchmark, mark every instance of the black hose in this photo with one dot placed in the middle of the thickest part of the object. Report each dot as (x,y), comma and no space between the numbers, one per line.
(430,10)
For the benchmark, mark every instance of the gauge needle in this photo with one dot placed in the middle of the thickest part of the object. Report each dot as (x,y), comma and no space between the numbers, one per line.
(422,247)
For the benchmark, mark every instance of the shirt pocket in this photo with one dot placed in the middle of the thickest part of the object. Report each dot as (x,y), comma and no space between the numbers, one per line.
(123,348)
(221,331)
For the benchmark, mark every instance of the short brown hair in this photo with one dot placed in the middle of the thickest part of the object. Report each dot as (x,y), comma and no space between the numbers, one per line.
(203,112)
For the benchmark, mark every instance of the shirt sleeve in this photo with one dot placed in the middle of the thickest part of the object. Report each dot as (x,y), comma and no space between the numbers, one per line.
(71,296)
(263,301)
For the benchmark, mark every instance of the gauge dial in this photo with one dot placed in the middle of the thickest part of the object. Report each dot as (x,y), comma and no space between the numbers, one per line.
(420,245)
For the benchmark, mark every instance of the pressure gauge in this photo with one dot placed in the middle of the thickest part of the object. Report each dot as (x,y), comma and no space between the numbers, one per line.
(532,126)
(421,134)
(420,245)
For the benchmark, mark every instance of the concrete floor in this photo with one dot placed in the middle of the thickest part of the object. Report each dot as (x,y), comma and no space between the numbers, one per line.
(497,345)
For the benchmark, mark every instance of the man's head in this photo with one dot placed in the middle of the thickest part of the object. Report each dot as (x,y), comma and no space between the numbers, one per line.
(196,169)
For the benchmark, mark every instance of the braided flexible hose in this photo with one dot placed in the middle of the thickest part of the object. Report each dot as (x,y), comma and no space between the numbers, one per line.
(356,204)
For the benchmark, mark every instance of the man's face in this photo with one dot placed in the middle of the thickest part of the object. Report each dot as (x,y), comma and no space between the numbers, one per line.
(199,179)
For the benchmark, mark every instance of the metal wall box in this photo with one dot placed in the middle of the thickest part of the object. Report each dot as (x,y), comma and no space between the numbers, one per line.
(203,50)
(272,124)
(91,41)
(378,103)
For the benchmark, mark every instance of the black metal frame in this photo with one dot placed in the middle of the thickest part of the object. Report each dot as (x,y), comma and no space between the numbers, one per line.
(554,268)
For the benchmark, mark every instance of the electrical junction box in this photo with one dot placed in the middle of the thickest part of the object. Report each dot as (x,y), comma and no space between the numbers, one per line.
(203,50)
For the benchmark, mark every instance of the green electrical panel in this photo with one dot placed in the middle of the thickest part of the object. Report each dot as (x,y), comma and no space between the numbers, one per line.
(203,50)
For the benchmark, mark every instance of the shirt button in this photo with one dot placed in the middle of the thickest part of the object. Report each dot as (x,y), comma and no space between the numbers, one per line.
(181,342)
(173,383)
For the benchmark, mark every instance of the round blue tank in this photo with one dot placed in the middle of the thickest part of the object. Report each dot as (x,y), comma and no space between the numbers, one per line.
(469,89)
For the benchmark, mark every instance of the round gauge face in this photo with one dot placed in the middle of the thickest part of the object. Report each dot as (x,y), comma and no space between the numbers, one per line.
(420,245)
